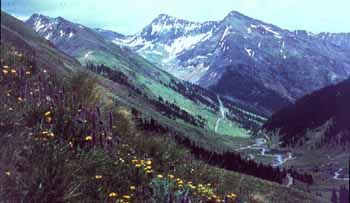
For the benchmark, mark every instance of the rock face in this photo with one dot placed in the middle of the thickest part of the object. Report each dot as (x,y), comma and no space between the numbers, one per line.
(280,65)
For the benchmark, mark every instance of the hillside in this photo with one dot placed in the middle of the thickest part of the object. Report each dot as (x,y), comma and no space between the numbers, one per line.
(288,63)
(70,135)
(316,129)
(327,108)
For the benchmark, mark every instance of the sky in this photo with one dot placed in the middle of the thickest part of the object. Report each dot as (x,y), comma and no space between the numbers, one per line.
(130,16)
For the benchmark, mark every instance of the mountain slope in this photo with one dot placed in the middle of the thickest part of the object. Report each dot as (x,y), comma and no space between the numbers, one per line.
(289,63)
(327,108)
(155,86)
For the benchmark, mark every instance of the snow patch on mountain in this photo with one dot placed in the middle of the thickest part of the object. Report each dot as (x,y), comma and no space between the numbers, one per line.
(38,25)
(186,42)
(250,52)
(71,34)
(87,54)
(226,33)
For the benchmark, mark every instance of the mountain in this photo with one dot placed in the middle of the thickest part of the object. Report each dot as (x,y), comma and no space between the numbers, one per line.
(24,37)
(325,110)
(109,35)
(283,65)
(342,40)
(186,101)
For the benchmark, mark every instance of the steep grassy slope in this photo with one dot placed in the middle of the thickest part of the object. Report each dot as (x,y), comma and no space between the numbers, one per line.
(65,140)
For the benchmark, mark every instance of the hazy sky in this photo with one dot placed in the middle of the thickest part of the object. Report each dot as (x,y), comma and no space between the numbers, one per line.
(130,16)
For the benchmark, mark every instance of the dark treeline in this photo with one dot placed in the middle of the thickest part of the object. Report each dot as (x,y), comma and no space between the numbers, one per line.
(195,93)
(112,74)
(235,162)
(237,114)
(209,98)
(227,160)
(340,196)
(173,111)
(303,177)
(311,111)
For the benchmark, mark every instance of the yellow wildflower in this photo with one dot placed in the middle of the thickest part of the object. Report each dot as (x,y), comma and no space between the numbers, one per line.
(8,173)
(47,113)
(5,71)
(13,71)
(98,177)
(126,197)
(112,194)
(132,188)
(44,132)
(148,162)
(88,138)
(159,176)
(170,176)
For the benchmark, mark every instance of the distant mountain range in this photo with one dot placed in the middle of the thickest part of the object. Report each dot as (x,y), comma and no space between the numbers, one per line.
(281,65)
(247,60)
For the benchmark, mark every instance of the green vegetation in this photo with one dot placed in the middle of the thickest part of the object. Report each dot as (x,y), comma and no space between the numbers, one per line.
(63,142)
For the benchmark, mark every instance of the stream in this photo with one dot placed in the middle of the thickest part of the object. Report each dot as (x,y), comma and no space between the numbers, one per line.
(222,112)
(337,175)
(279,158)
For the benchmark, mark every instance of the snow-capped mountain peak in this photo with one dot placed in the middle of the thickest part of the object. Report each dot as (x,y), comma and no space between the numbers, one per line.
(52,27)
(240,57)
(202,53)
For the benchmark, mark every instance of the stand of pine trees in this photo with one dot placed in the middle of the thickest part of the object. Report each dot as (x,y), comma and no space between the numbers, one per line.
(112,74)
(173,111)
(343,196)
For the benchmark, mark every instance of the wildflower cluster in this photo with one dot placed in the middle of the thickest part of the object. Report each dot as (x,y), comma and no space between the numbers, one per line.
(57,119)
(144,165)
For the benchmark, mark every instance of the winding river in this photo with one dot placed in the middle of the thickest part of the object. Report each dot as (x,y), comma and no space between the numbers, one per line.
(278,158)
(337,175)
